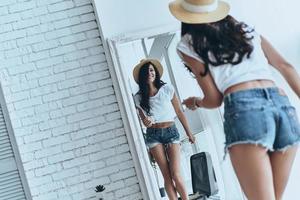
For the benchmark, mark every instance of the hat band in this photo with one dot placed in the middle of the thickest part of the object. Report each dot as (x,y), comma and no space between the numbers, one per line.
(199,9)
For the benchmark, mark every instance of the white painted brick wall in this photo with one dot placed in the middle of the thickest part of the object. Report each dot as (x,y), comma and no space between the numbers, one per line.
(61,101)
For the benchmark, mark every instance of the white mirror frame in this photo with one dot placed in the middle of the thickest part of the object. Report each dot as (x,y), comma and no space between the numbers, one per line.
(145,173)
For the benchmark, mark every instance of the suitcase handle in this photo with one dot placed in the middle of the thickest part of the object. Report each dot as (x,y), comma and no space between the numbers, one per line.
(196,147)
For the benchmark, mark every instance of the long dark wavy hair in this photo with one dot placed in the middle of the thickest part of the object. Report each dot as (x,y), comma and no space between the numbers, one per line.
(144,86)
(220,42)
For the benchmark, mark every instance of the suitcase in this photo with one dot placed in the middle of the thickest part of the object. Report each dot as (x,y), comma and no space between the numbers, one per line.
(203,175)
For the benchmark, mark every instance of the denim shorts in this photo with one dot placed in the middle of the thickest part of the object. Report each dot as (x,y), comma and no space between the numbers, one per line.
(260,116)
(155,136)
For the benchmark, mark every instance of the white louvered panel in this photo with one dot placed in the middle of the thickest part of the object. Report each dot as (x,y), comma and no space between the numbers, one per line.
(2,126)
(8,178)
(10,183)
(2,123)
(5,177)
(5,144)
(13,192)
(7,165)
(3,138)
(6,154)
(11,186)
(5,148)
(3,135)
(3,130)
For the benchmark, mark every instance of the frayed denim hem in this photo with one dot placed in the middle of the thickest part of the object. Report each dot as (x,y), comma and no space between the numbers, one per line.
(257,143)
(283,149)
(151,145)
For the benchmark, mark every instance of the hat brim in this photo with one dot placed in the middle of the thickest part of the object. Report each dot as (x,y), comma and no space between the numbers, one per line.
(154,62)
(198,18)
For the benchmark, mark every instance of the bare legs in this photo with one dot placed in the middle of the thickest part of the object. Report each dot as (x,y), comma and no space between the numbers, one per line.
(174,157)
(170,169)
(159,155)
(262,176)
(281,165)
(253,168)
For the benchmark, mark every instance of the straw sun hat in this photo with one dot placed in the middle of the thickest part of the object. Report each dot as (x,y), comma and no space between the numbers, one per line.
(199,11)
(154,62)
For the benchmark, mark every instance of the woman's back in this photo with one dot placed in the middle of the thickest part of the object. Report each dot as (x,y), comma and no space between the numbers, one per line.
(255,67)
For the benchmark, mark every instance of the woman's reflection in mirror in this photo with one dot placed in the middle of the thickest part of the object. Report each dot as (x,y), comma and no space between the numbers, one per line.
(158,105)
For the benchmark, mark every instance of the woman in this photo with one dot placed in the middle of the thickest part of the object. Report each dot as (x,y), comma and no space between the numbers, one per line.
(158,106)
(231,63)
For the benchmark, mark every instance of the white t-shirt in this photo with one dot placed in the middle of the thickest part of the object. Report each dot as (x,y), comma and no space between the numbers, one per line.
(161,107)
(254,68)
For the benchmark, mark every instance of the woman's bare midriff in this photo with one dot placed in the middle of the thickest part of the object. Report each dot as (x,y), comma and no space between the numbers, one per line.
(249,85)
(162,125)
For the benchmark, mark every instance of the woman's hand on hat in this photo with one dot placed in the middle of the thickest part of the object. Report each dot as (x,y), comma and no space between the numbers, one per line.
(191,103)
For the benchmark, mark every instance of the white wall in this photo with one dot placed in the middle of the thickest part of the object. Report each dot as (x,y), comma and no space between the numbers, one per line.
(61,101)
(120,17)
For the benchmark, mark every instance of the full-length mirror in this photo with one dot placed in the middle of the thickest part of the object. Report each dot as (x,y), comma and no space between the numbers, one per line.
(206,125)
